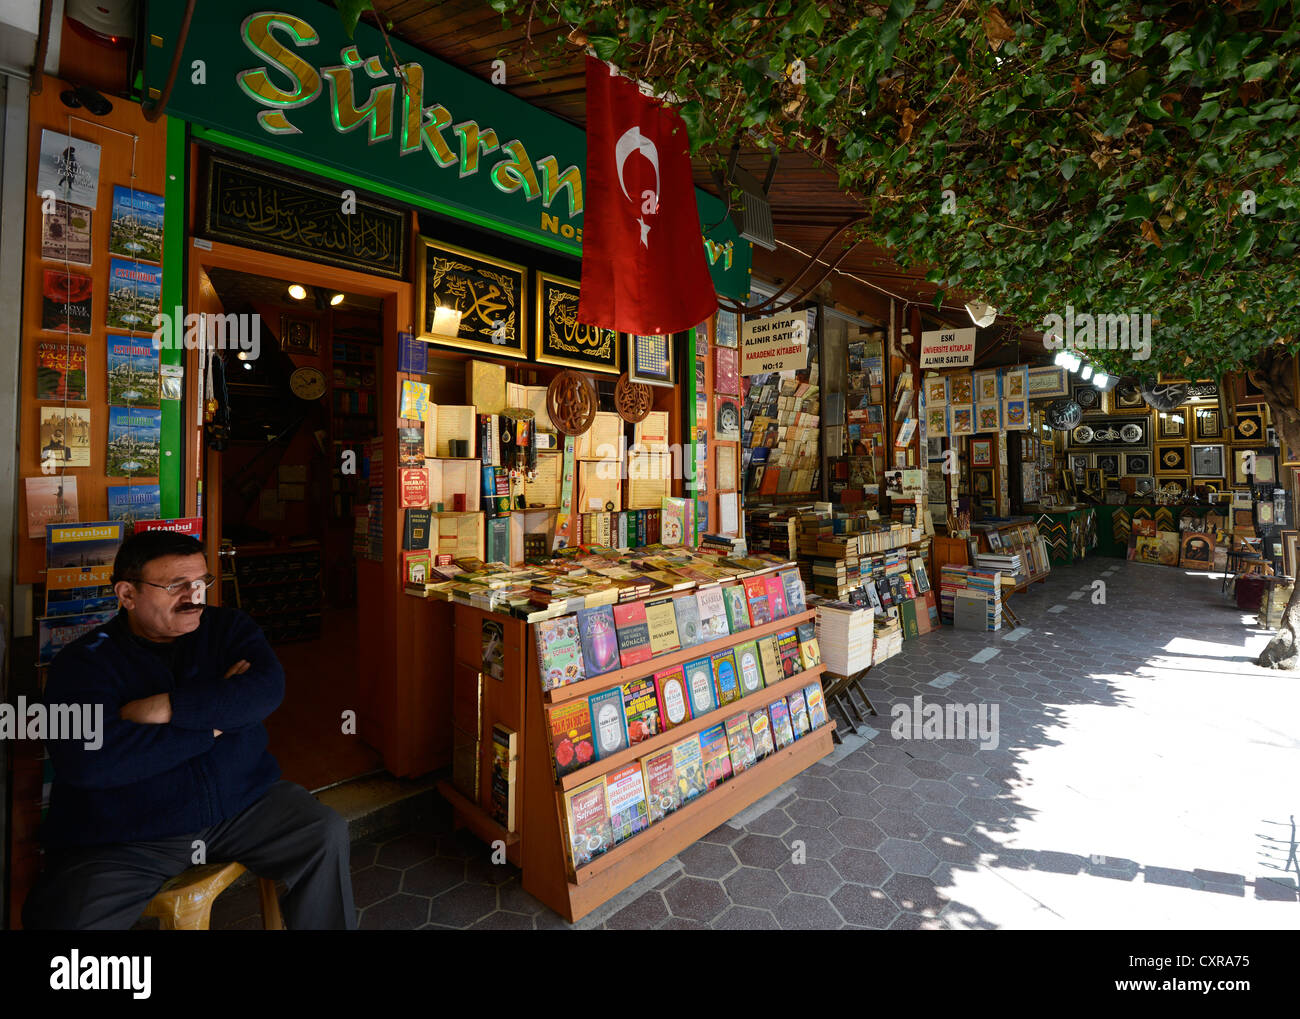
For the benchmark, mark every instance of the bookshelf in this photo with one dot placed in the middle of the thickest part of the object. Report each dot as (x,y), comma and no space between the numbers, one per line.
(539,844)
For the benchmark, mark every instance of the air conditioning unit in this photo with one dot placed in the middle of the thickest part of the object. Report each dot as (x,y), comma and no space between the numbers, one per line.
(751,212)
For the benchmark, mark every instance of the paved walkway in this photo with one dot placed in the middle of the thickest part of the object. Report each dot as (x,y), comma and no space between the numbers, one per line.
(1146,776)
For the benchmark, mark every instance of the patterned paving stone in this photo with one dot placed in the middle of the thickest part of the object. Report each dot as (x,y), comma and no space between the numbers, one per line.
(929,769)
(695,898)
(894,775)
(397,913)
(818,813)
(932,790)
(432,877)
(859,805)
(503,920)
(798,912)
(908,857)
(704,859)
(464,905)
(818,843)
(861,866)
(812,787)
(891,797)
(681,923)
(901,824)
(485,872)
(915,894)
(952,848)
(374,884)
(857,833)
(772,822)
(643,913)
(943,818)
(855,782)
(407,850)
(746,918)
(761,851)
(865,907)
(750,886)
(724,835)
(813,877)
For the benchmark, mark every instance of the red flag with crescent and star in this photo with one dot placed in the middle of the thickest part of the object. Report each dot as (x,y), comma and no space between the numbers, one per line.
(643,264)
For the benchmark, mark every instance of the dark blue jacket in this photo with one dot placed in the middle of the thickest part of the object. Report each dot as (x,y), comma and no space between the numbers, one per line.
(159,781)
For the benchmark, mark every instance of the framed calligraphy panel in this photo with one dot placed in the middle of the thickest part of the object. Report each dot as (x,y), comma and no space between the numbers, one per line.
(562,339)
(249,207)
(488,293)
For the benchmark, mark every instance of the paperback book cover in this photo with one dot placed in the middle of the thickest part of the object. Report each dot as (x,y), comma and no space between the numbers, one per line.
(816,701)
(674,702)
(629,811)
(770,658)
(787,645)
(740,741)
(716,755)
(416,565)
(776,606)
(133,372)
(641,709)
(559,650)
(760,726)
(132,503)
(782,732)
(85,544)
(810,654)
(799,714)
(633,633)
(794,599)
(65,234)
(505,760)
(134,435)
(410,447)
(756,596)
(64,437)
(737,610)
(660,784)
(134,295)
(66,299)
(78,590)
(661,619)
(599,639)
(748,668)
(586,812)
(417,526)
(688,769)
(60,370)
(413,487)
(726,371)
(725,679)
(713,613)
(136,230)
(689,629)
(51,499)
(608,728)
(54,634)
(571,744)
(699,684)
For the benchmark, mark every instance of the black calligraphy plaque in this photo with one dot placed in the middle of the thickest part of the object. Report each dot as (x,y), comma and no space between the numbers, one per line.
(562,339)
(250,207)
(488,293)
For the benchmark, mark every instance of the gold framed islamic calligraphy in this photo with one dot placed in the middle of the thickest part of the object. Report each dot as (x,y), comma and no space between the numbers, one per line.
(245,206)
(562,339)
(488,293)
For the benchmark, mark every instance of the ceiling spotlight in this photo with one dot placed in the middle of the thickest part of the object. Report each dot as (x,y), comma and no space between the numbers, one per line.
(1086,374)
(1101,380)
(981,314)
(1062,356)
(248,365)
(297,291)
(336,299)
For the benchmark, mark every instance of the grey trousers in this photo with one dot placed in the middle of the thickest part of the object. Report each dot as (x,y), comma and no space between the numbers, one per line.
(287,835)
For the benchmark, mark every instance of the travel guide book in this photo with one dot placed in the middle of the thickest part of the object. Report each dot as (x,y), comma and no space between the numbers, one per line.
(136,230)
(134,435)
(134,502)
(134,295)
(51,499)
(133,372)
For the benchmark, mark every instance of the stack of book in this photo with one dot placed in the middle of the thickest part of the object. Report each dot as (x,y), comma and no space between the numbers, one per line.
(958,580)
(846,634)
(1002,562)
(889,636)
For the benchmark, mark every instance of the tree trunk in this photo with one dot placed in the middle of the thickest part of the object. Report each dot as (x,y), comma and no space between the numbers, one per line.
(1283,651)
(1275,375)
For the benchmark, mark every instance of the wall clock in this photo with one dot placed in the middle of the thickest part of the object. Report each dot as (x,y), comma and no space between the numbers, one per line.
(307,383)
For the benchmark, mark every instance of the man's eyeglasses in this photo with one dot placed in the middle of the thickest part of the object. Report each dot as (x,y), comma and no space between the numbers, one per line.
(205,582)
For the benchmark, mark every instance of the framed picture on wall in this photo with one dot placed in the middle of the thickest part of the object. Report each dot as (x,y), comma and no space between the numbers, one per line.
(1048,381)
(1171,459)
(1093,480)
(983,484)
(650,360)
(1249,425)
(1144,486)
(1137,463)
(1128,396)
(1208,424)
(1108,463)
(1179,483)
(298,335)
(488,293)
(1090,398)
(1079,465)
(1171,426)
(1207,462)
(981,452)
(1265,468)
(562,339)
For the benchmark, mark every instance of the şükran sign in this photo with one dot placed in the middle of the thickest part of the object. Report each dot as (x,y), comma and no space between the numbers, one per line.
(285,77)
(948,348)
(774,343)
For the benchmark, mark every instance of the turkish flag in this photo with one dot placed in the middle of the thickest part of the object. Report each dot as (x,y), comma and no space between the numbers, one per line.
(643,265)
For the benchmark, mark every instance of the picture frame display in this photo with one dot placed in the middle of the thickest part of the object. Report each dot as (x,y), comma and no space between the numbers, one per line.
(1248,426)
(1208,424)
(298,335)
(1171,459)
(1047,381)
(1207,462)
(561,339)
(1171,426)
(650,360)
(981,452)
(1137,464)
(488,292)
(1091,399)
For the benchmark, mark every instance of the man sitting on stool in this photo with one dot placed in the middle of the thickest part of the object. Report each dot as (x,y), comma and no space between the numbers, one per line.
(183,775)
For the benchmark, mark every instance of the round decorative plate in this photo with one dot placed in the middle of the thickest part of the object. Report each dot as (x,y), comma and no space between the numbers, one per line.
(1165,396)
(307,383)
(1082,434)
(1131,432)
(632,399)
(571,402)
(1064,415)
(1087,397)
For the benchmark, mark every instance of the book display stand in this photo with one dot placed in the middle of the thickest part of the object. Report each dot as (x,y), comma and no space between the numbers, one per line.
(540,844)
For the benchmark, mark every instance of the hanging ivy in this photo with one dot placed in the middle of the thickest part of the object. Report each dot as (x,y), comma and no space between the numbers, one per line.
(1110,157)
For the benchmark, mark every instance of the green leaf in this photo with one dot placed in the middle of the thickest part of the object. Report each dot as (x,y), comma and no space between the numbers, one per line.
(350,13)
(1260,70)
(637,22)
(604,45)
(807,20)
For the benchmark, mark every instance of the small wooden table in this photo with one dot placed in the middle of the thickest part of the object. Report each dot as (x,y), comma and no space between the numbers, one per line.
(840,689)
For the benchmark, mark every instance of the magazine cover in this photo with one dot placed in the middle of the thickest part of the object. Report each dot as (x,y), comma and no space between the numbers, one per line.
(134,295)
(60,370)
(69,168)
(85,544)
(58,632)
(131,503)
(65,437)
(134,435)
(50,500)
(65,234)
(66,299)
(133,372)
(136,230)
(75,591)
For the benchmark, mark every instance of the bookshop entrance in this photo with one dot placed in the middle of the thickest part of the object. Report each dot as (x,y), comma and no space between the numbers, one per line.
(296,403)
